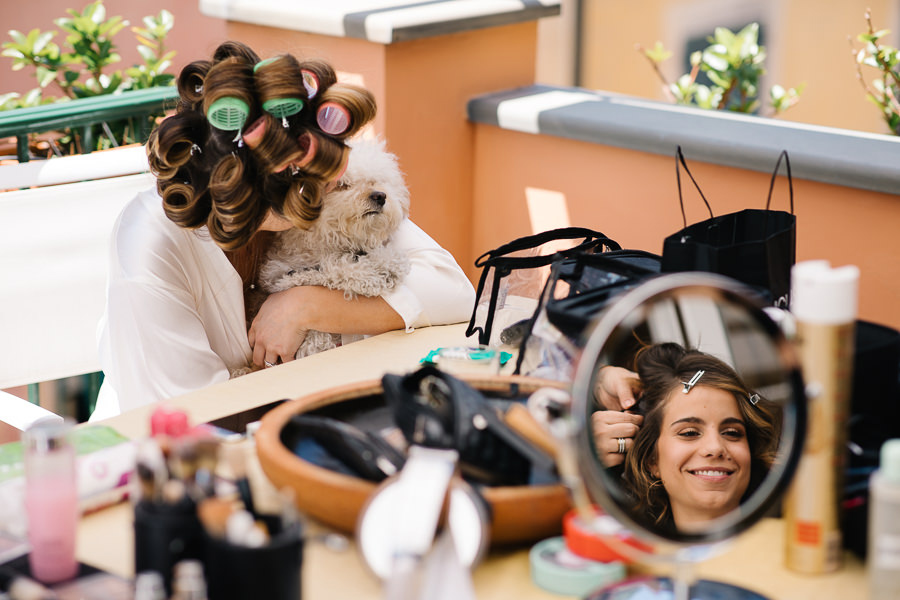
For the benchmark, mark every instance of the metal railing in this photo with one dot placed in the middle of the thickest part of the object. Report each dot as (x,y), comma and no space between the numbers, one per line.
(84,114)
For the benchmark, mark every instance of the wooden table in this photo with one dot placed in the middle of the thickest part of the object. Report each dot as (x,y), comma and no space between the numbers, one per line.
(105,539)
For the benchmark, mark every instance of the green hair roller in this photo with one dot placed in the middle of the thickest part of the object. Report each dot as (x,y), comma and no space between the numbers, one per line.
(228,113)
(283,107)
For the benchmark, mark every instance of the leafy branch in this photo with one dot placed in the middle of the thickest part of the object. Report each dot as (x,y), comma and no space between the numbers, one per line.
(884,89)
(733,62)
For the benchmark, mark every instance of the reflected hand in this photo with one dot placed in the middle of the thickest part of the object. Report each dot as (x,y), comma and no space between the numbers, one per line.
(608,427)
(616,388)
(277,330)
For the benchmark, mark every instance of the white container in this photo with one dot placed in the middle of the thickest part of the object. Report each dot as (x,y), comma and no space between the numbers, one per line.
(883,556)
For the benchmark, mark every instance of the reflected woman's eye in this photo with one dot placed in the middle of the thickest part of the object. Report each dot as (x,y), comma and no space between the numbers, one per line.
(734,434)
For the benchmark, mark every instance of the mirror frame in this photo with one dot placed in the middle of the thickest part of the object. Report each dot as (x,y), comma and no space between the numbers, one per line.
(794,417)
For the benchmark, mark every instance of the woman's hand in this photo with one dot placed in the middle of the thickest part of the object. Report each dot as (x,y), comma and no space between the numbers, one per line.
(279,327)
(616,388)
(281,324)
(610,426)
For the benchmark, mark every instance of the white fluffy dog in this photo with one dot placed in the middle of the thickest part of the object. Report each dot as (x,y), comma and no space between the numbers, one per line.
(348,246)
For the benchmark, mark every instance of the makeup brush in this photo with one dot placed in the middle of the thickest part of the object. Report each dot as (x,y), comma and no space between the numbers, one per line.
(237,463)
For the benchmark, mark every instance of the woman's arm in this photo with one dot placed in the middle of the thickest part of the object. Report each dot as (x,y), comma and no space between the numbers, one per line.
(284,318)
(434,292)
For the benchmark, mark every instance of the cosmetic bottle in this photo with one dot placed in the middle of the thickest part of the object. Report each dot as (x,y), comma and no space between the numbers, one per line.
(883,555)
(51,501)
(824,305)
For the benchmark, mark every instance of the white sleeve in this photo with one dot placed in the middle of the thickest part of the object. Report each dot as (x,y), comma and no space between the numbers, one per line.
(153,342)
(436,291)
(166,349)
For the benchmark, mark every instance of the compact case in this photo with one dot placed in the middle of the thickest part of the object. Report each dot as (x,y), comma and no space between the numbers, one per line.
(336,496)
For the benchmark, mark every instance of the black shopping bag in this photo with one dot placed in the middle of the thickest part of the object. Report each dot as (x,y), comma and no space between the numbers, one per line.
(754,246)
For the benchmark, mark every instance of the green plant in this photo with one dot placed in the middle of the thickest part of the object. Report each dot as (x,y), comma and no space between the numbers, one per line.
(83,66)
(886,60)
(733,63)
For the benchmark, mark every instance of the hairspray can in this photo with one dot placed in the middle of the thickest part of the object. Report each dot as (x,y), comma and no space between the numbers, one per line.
(824,305)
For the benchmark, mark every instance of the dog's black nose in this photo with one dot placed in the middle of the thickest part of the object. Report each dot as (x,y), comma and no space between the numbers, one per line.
(378,198)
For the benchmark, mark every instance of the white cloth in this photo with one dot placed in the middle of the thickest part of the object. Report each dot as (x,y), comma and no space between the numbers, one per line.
(174,319)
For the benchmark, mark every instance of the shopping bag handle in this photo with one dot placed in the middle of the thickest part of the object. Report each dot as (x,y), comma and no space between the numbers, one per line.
(787,164)
(679,158)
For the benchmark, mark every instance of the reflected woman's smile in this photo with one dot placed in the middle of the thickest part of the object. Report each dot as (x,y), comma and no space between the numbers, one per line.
(703,459)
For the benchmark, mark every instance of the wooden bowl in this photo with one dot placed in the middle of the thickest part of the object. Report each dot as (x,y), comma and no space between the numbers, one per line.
(520,514)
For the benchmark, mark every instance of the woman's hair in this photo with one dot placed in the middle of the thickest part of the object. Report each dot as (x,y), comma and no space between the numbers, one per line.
(208,176)
(662,369)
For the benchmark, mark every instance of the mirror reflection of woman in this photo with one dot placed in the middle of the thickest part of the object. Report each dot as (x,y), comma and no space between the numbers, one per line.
(705,444)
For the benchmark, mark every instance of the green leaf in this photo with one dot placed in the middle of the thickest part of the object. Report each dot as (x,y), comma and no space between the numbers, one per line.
(658,53)
(714,60)
(146,53)
(19,37)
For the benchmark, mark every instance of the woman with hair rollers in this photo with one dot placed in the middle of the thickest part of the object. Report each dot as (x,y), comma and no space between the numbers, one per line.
(251,150)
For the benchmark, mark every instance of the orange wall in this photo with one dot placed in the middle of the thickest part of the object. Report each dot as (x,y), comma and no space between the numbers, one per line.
(632,197)
(806,42)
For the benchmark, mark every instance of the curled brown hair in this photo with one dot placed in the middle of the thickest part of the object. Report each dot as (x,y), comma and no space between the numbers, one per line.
(662,369)
(209,177)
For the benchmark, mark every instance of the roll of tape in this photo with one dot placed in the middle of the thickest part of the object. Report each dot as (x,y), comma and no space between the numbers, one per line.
(588,543)
(556,569)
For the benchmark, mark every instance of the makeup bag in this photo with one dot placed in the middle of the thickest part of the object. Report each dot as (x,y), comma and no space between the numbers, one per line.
(578,289)
(513,277)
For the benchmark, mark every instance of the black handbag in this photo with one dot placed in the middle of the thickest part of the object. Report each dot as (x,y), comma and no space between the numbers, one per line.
(513,277)
(754,246)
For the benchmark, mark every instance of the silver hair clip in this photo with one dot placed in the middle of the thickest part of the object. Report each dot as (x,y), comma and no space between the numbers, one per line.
(239,139)
(754,398)
(196,149)
(689,384)
(198,89)
(295,170)
(284,122)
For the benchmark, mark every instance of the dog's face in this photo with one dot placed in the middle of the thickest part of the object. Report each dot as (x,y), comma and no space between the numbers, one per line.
(369,201)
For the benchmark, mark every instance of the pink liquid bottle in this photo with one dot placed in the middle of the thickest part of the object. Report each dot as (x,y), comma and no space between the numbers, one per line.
(51,501)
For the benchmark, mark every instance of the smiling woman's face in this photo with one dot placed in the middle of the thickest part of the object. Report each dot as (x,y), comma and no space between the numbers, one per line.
(703,457)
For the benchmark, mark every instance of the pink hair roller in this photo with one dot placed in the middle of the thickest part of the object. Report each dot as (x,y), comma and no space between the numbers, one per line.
(333,118)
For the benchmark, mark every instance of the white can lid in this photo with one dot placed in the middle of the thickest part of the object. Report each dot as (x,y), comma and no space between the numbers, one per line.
(822,294)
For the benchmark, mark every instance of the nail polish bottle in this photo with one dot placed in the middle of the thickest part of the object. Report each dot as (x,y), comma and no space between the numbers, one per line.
(51,501)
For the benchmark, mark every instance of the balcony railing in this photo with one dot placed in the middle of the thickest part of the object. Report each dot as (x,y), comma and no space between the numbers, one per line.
(84,113)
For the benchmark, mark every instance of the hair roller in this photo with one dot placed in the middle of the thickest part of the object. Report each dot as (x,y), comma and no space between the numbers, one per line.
(344,109)
(317,75)
(228,94)
(330,157)
(279,86)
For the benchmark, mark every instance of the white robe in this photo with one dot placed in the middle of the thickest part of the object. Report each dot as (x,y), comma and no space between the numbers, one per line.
(174,319)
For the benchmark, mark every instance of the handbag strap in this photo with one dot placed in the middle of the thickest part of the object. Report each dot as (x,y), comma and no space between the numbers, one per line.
(679,158)
(538,239)
(787,164)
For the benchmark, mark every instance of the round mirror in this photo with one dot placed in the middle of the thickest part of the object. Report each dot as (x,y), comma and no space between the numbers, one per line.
(717,426)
